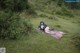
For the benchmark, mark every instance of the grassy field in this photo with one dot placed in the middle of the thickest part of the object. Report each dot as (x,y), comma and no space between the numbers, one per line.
(44,43)
(58,17)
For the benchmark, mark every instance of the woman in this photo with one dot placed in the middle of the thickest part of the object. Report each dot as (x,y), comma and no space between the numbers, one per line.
(46,29)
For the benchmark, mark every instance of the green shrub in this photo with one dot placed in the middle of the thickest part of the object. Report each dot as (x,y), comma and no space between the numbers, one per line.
(14,5)
(42,15)
(60,2)
(65,12)
(12,26)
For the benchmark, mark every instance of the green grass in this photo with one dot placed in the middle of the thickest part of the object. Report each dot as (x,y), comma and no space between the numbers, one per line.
(39,44)
(43,43)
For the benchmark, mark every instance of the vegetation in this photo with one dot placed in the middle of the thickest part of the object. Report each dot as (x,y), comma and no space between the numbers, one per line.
(14,5)
(19,26)
(13,26)
(76,40)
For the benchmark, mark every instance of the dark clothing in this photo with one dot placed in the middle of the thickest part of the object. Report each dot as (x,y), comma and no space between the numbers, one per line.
(42,26)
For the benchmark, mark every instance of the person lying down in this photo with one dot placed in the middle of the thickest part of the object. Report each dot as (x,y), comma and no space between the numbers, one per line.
(54,33)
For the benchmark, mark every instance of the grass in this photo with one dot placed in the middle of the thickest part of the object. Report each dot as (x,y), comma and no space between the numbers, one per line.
(43,43)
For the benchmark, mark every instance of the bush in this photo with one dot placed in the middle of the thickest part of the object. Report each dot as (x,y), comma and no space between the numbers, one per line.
(13,26)
(64,11)
(43,15)
(14,5)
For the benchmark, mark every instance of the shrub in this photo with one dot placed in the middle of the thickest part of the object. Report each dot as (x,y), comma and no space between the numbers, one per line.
(64,11)
(12,26)
(14,5)
(42,15)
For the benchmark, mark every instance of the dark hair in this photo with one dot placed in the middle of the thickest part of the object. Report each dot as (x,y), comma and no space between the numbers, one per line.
(41,23)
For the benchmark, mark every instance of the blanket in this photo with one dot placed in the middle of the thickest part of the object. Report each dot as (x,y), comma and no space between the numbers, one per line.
(55,34)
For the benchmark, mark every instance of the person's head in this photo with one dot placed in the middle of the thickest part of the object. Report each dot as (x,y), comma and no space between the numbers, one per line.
(41,23)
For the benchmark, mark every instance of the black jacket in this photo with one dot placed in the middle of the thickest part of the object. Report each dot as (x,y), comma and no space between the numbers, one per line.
(42,26)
